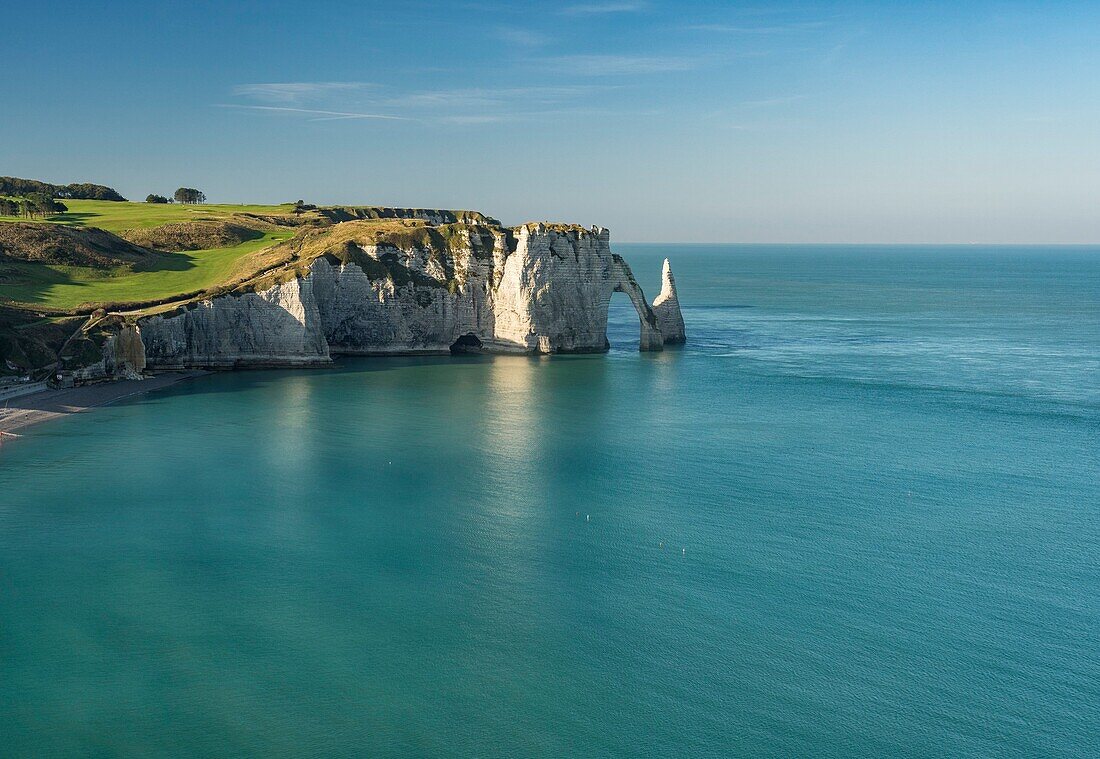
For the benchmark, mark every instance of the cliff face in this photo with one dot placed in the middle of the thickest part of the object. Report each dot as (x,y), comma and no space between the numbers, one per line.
(555,290)
(110,349)
(279,326)
(468,287)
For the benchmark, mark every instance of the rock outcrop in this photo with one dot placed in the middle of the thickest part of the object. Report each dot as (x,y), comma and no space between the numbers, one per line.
(667,308)
(278,326)
(555,289)
(460,287)
(110,349)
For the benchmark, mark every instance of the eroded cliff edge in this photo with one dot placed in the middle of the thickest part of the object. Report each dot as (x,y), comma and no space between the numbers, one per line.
(402,287)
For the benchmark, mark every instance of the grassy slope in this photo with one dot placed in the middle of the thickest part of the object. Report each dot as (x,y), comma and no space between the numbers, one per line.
(68,287)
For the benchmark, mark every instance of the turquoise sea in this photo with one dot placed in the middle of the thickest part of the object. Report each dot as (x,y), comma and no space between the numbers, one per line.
(858,515)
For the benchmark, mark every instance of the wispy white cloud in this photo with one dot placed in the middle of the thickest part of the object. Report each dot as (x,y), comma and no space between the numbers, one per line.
(324,115)
(594,9)
(295,92)
(520,37)
(617,65)
(468,98)
(460,106)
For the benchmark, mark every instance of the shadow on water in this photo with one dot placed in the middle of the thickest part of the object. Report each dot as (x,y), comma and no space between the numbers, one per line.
(236,381)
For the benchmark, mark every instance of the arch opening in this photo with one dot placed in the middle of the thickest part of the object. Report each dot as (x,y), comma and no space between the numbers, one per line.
(649,336)
(622,323)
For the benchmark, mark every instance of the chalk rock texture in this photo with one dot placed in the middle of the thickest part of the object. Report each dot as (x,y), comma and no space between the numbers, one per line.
(667,308)
(122,356)
(279,326)
(537,288)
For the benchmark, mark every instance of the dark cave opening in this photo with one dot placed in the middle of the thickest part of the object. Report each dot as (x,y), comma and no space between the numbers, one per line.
(468,343)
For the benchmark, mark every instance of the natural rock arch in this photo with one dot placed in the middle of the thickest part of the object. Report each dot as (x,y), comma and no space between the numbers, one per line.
(649,333)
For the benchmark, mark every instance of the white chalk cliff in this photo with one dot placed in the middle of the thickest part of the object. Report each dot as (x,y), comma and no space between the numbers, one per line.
(462,287)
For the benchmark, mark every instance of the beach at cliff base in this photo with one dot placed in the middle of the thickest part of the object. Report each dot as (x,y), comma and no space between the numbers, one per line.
(19,413)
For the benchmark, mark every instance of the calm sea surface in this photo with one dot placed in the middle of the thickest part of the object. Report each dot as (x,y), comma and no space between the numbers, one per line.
(858,515)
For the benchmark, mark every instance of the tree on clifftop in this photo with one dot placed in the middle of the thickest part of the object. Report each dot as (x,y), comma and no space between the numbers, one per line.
(41,204)
(189,195)
(76,191)
(88,191)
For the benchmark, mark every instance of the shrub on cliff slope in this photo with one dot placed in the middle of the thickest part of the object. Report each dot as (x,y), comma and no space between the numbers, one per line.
(55,244)
(192,235)
(30,340)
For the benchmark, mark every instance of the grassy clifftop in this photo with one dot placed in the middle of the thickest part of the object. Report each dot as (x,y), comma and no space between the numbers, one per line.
(188,249)
(118,254)
(117,217)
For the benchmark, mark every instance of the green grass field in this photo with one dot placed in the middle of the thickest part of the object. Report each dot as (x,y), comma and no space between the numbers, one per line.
(115,217)
(67,287)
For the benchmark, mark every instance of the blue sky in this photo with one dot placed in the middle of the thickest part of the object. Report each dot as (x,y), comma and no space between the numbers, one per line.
(799,122)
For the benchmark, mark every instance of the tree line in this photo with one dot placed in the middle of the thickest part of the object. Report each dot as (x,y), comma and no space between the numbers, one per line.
(182,195)
(75,191)
(31,198)
(34,204)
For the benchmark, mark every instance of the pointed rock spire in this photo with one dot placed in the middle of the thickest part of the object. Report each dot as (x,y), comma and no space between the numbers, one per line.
(667,308)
